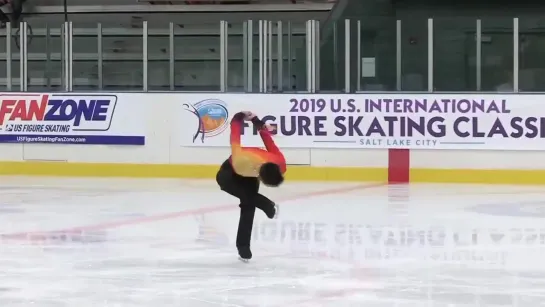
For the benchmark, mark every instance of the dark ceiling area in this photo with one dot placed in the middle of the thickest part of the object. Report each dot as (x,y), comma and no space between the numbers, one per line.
(461,4)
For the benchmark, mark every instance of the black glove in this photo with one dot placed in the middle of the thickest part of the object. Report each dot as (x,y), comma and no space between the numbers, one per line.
(239,116)
(258,123)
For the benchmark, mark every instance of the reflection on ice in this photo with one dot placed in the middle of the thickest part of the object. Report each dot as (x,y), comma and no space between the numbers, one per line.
(383,247)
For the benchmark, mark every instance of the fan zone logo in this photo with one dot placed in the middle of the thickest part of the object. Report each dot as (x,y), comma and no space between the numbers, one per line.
(212,118)
(52,113)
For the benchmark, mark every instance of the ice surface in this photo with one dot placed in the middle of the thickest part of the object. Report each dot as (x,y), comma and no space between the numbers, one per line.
(110,242)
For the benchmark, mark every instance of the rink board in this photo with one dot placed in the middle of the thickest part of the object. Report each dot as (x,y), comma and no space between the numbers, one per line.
(173,150)
(298,173)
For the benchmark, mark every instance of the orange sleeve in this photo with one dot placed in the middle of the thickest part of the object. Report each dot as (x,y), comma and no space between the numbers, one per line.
(268,141)
(265,135)
(236,129)
(277,156)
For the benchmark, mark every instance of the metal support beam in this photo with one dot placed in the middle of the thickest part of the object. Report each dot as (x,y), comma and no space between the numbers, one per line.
(317,55)
(145,56)
(516,51)
(347,61)
(398,56)
(171,57)
(70,57)
(358,60)
(250,57)
(290,57)
(279,56)
(145,8)
(263,56)
(478,54)
(100,58)
(223,55)
(23,57)
(308,39)
(430,55)
(8,57)
(270,57)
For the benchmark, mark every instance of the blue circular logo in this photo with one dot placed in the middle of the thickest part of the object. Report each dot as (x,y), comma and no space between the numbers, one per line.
(213,118)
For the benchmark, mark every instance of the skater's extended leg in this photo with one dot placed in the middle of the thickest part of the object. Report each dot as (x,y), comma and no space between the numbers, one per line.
(244,232)
(246,189)
(251,197)
(246,221)
(265,204)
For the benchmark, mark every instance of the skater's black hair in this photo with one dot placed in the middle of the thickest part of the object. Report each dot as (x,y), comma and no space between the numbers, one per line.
(270,174)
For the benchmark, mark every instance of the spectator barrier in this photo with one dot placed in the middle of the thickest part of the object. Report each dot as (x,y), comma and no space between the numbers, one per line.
(478,138)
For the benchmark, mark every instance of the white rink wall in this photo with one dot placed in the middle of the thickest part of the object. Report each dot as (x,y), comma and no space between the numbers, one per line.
(163,146)
(163,137)
(477,159)
(159,150)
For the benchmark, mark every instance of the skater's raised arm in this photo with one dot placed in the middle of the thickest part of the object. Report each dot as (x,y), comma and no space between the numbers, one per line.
(236,129)
(268,141)
(265,133)
(269,165)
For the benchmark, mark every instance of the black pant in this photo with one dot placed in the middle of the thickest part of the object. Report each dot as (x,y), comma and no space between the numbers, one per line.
(246,189)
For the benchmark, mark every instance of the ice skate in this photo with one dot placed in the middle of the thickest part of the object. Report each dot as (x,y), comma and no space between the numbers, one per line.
(244,253)
(271,211)
(275,216)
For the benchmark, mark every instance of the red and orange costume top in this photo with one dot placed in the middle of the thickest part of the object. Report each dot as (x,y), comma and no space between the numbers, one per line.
(246,161)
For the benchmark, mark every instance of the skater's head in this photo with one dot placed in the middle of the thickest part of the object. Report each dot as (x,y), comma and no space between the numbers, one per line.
(271,175)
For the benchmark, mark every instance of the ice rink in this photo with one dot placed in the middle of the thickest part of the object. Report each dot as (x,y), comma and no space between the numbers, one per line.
(162,243)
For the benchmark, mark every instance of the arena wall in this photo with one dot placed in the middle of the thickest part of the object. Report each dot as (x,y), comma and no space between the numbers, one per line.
(162,156)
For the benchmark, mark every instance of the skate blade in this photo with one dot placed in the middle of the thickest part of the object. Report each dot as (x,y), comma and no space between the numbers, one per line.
(243,260)
(275,212)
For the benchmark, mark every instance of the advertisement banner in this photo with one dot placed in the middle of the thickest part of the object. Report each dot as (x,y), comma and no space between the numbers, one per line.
(412,121)
(90,119)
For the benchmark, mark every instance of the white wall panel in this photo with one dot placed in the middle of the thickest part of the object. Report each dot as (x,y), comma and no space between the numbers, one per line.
(349,157)
(11,152)
(477,159)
